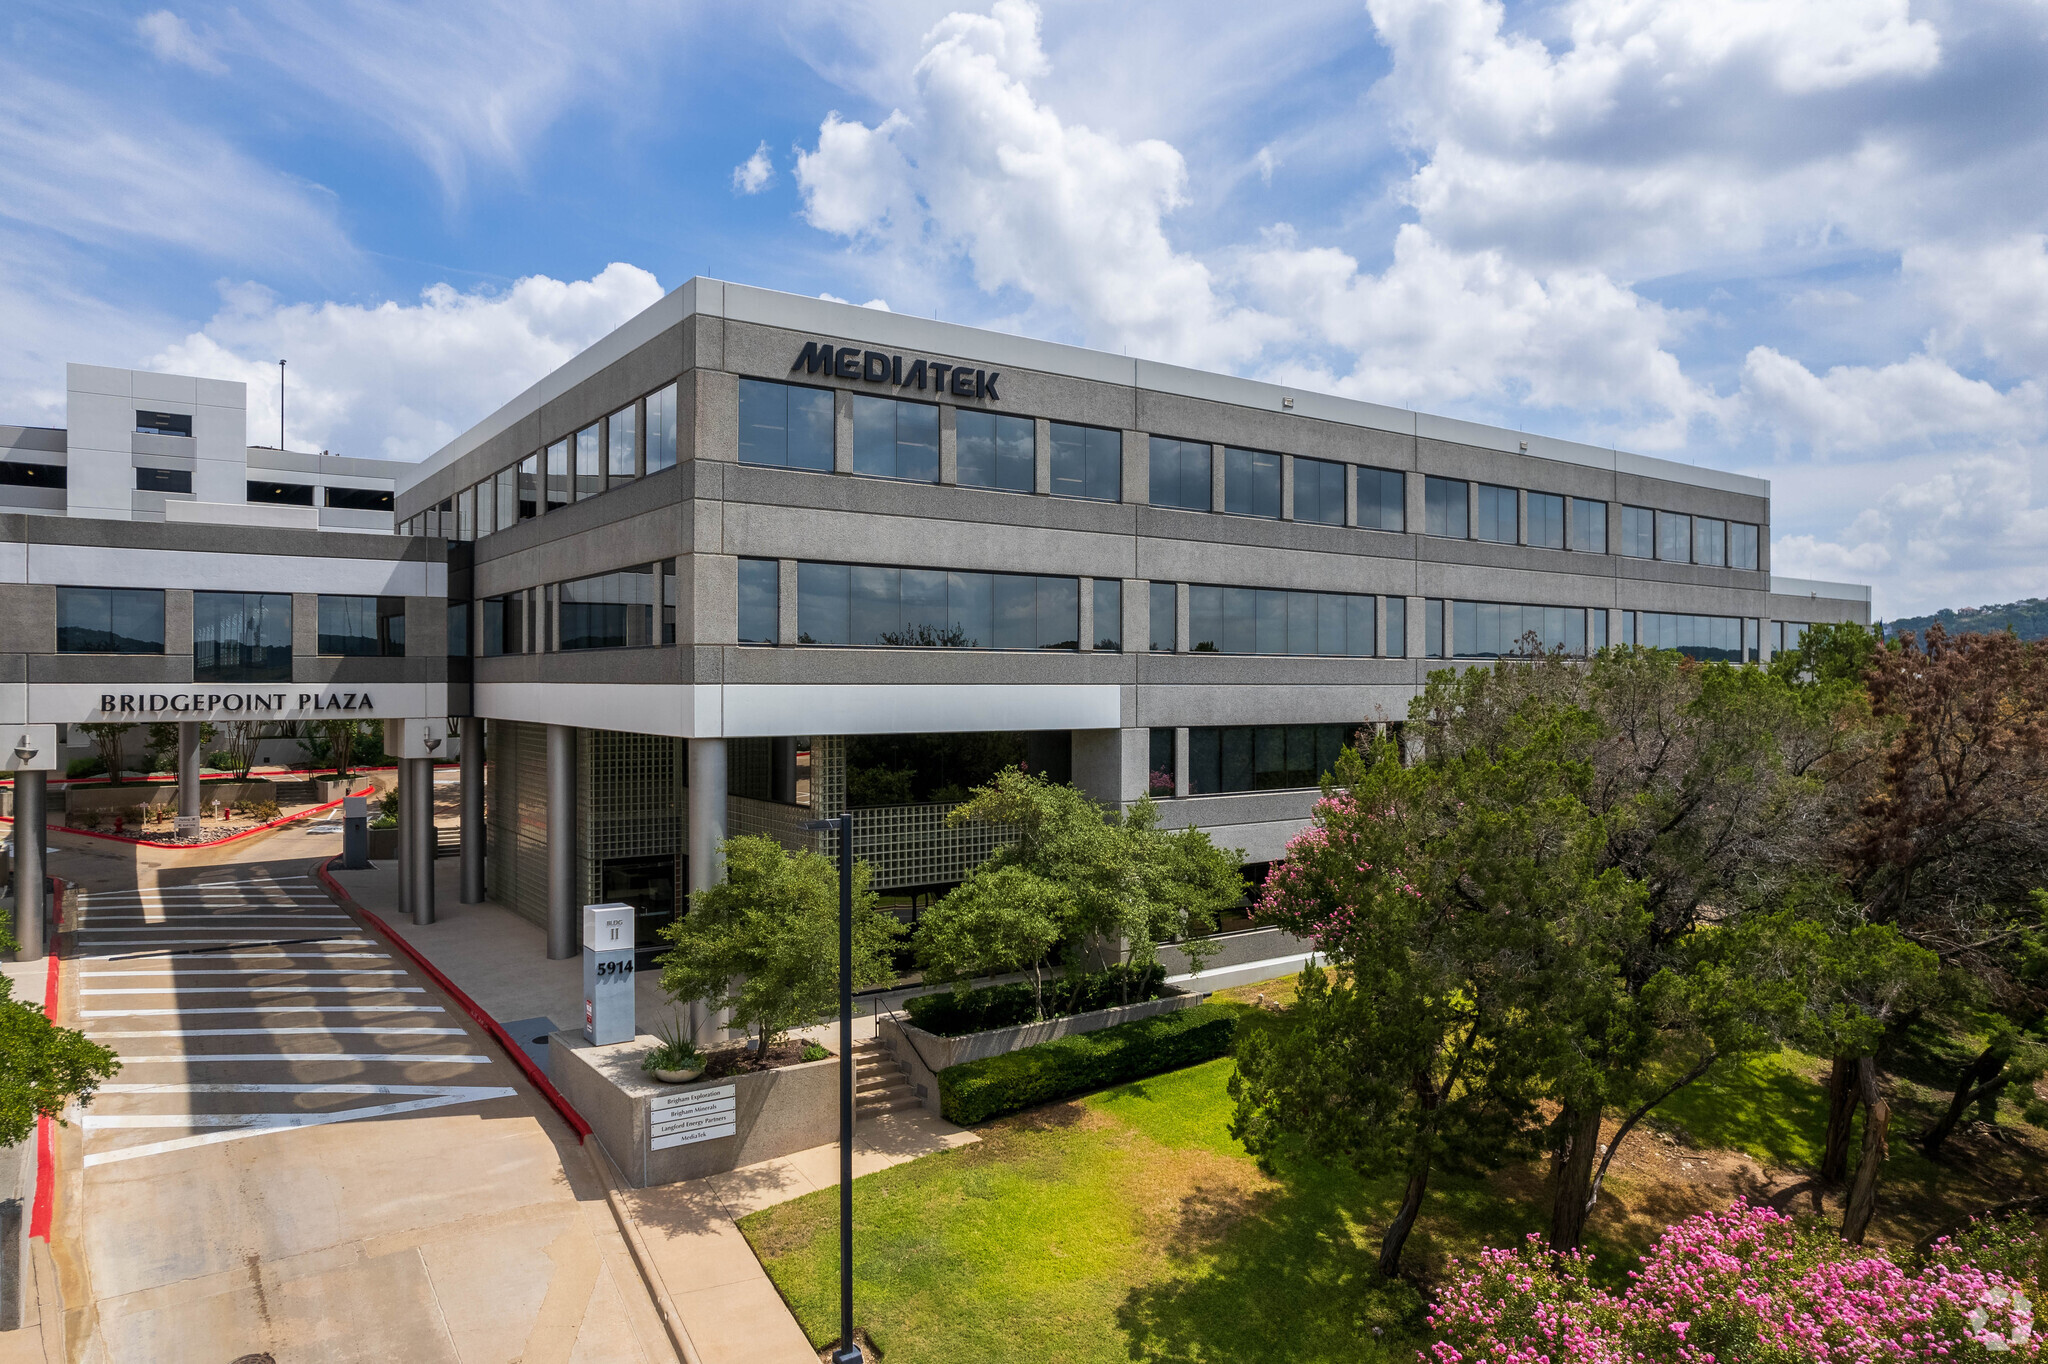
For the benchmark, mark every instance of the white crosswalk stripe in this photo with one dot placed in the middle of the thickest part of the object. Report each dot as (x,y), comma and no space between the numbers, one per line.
(267,950)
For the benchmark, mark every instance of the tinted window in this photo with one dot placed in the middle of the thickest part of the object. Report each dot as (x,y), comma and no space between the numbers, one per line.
(1706,637)
(1382,499)
(241,637)
(163,480)
(561,478)
(661,429)
(996,451)
(529,487)
(1638,533)
(15,474)
(1319,491)
(163,424)
(1162,612)
(895,439)
(370,627)
(873,606)
(1433,628)
(1179,474)
(1261,757)
(1247,620)
(1498,515)
(1251,483)
(760,601)
(1589,526)
(1444,506)
(1507,630)
(1109,614)
(280,494)
(618,610)
(622,445)
(590,461)
(1546,520)
(1742,545)
(1397,627)
(1159,781)
(1709,541)
(458,629)
(505,624)
(1087,462)
(1674,537)
(101,620)
(785,426)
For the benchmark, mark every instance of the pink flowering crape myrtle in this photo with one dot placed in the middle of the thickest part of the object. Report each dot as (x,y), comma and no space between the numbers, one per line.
(1745,1286)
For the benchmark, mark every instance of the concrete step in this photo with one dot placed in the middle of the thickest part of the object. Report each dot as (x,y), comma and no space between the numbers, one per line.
(901,1104)
(881,1085)
(296,793)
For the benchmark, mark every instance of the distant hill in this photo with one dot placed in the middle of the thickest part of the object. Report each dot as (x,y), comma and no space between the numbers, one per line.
(2028,619)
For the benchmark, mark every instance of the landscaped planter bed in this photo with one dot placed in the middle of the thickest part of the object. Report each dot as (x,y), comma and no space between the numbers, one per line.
(775,1112)
(924,1054)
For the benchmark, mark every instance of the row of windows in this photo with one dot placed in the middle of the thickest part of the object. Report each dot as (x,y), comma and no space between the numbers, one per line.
(867,607)
(1229,758)
(236,636)
(637,440)
(791,426)
(628,608)
(302,494)
(1509,630)
(1248,620)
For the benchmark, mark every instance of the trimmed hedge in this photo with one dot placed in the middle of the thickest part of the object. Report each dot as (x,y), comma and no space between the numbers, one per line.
(976,1091)
(955,1014)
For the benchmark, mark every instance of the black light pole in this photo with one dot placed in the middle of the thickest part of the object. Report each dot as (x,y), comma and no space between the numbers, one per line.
(848,1352)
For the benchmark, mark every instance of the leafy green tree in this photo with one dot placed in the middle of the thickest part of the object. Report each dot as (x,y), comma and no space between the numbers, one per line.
(764,943)
(996,921)
(107,741)
(42,1066)
(1715,788)
(1463,906)
(1116,877)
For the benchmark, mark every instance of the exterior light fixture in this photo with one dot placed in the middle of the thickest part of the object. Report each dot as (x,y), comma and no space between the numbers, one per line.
(432,740)
(25,749)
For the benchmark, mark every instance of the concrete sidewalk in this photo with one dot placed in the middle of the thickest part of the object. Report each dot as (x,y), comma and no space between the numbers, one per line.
(696,1263)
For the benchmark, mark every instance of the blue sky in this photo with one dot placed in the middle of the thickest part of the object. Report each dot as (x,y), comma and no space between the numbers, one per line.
(1799,240)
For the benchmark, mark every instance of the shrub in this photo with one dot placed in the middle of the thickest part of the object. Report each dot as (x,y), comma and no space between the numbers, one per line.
(84,767)
(85,819)
(1745,1284)
(813,1052)
(955,1013)
(262,811)
(976,1091)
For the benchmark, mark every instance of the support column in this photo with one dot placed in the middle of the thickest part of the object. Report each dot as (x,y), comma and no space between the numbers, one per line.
(31,828)
(473,834)
(423,841)
(562,906)
(405,794)
(707,863)
(189,761)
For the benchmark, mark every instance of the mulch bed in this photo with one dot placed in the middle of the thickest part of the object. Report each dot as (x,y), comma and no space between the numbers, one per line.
(727,1061)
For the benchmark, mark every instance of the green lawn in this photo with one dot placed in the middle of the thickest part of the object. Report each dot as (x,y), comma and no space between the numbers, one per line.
(1129,1226)
(1125,1226)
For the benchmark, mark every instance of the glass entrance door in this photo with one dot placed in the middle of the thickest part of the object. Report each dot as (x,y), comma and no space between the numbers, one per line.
(649,885)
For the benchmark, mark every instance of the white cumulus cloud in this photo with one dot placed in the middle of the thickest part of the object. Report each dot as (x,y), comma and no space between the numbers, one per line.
(395,380)
(754,174)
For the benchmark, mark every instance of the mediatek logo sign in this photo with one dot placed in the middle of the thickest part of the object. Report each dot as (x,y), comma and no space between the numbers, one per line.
(229,702)
(874,367)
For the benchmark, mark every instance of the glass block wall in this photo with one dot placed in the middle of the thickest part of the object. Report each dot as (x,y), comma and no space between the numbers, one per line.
(631,800)
(516,814)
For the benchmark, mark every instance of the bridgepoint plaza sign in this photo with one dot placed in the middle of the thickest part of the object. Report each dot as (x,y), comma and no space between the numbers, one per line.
(228,702)
(873,367)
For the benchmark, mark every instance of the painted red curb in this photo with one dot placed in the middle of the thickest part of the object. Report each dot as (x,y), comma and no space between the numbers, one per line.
(512,1049)
(210,843)
(45,1206)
